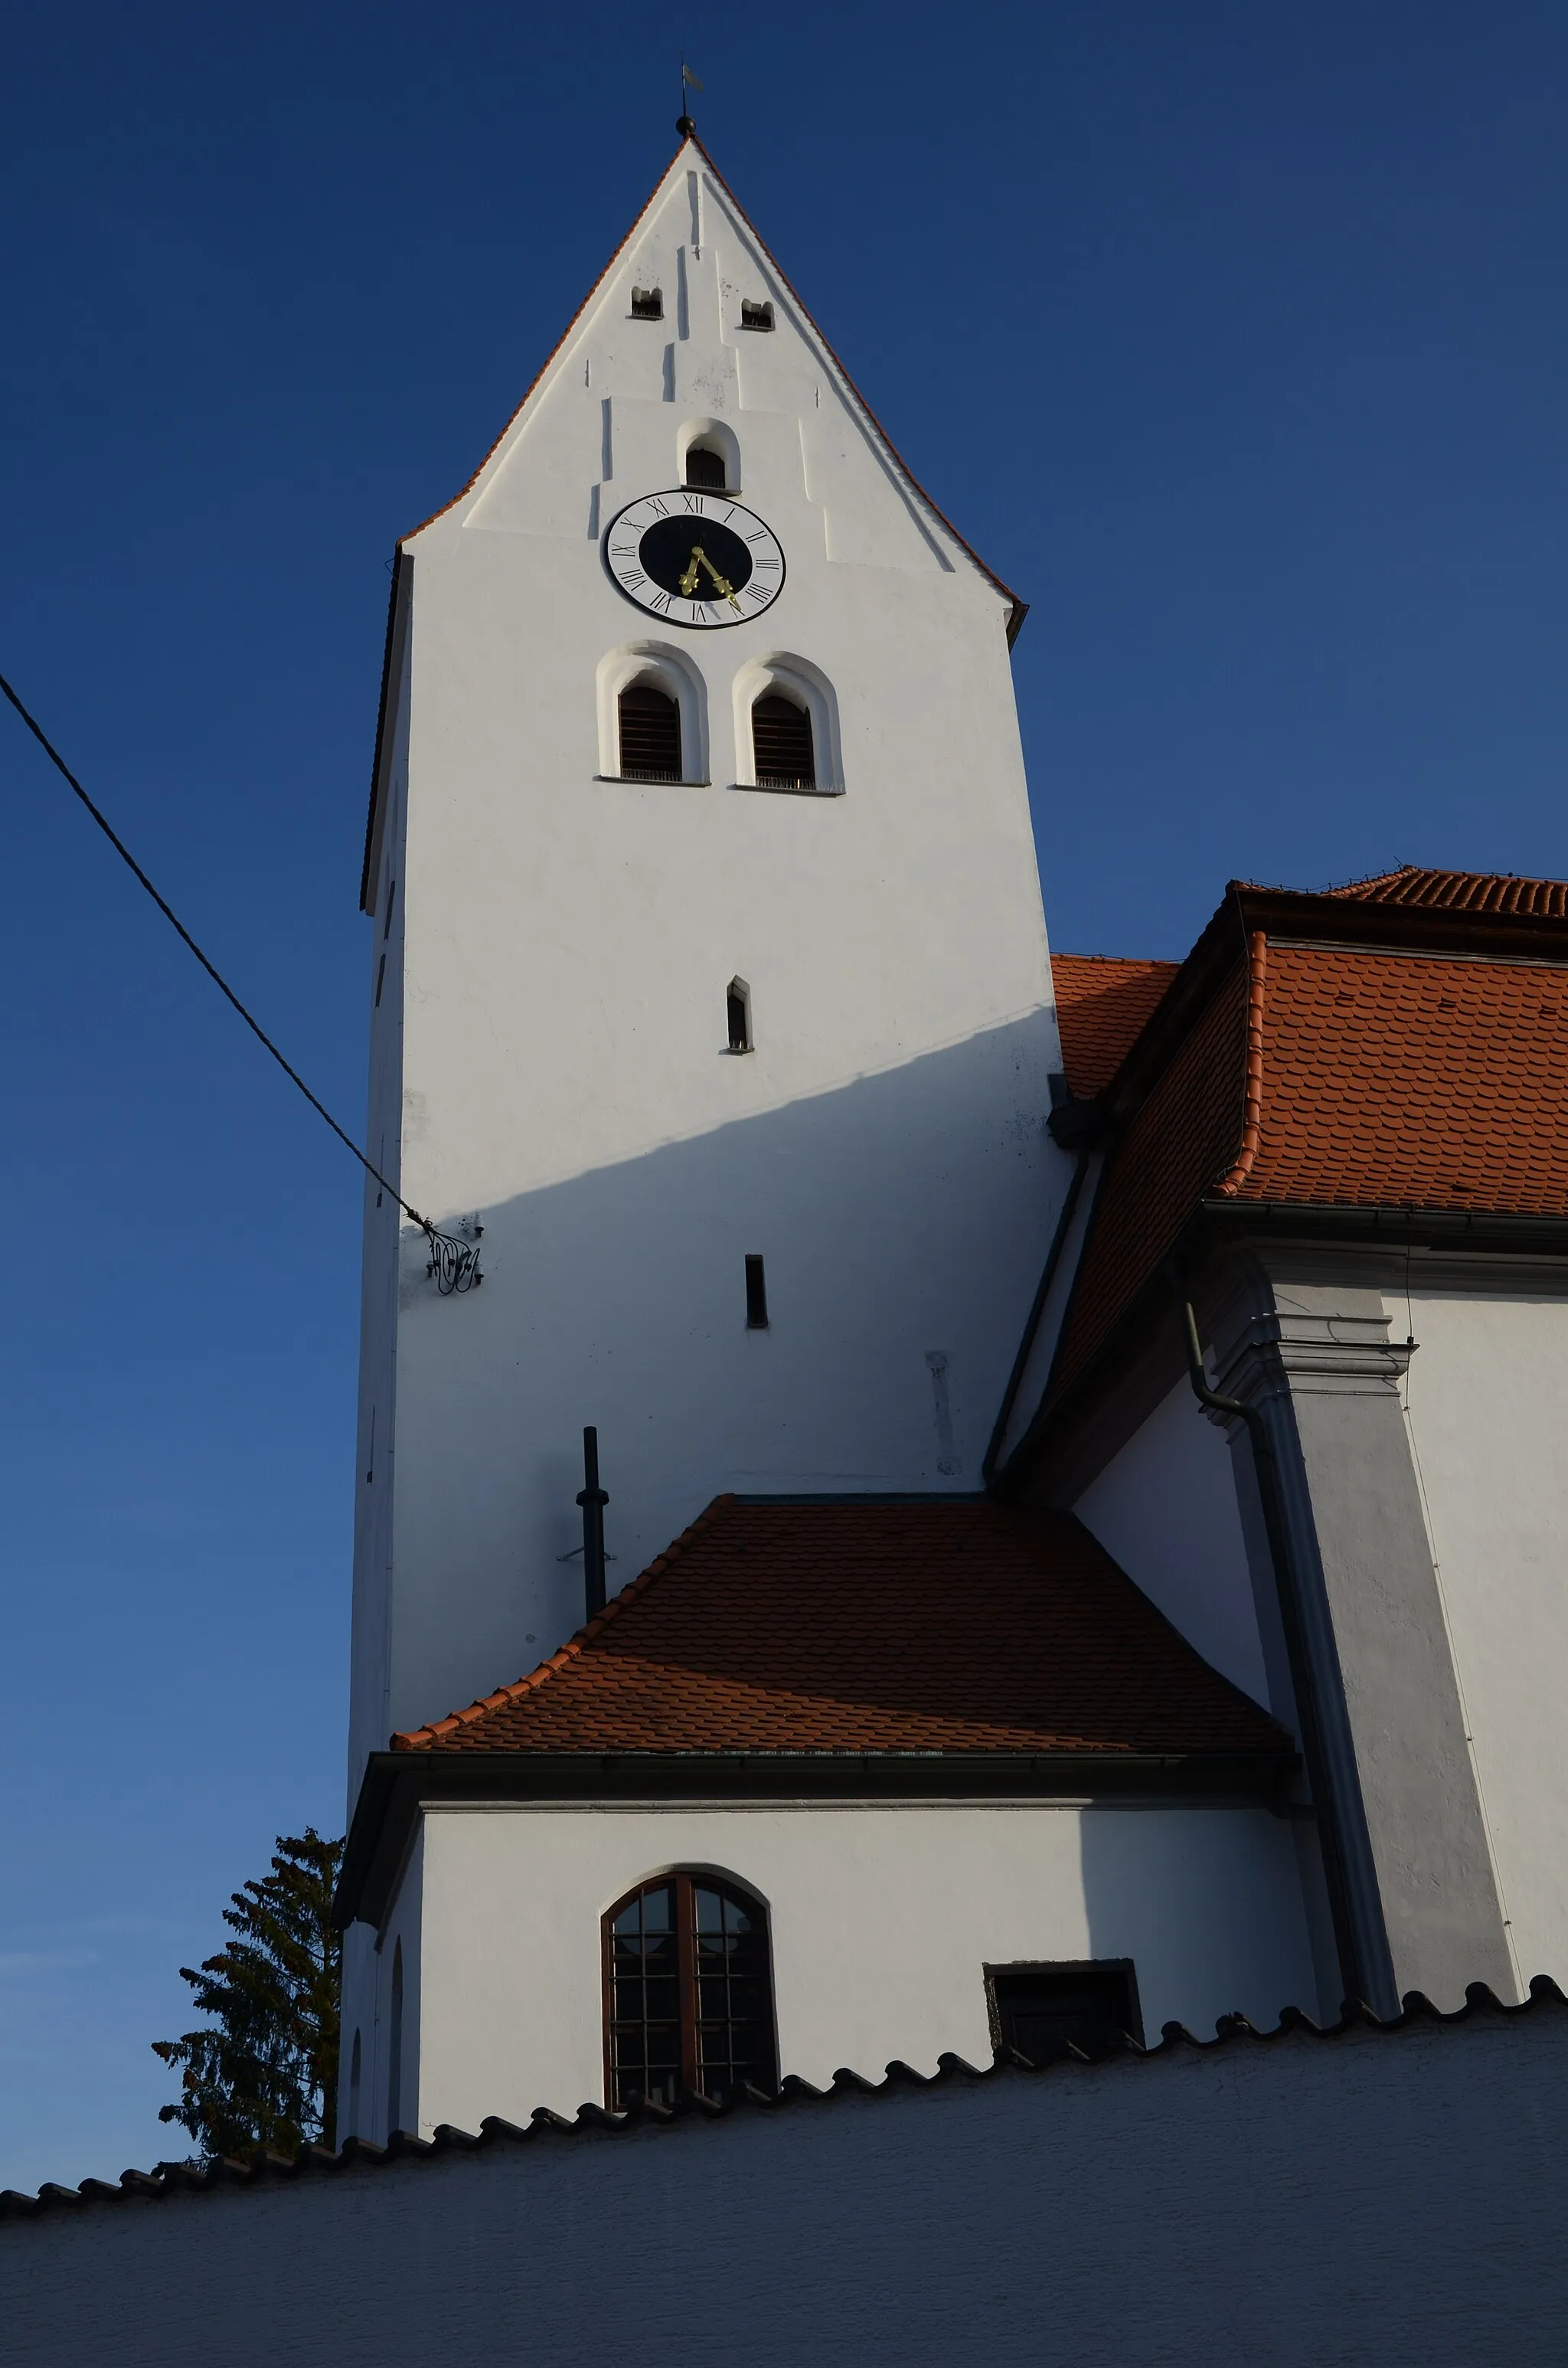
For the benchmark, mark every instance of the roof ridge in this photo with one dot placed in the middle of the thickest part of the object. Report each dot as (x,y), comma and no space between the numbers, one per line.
(418,1738)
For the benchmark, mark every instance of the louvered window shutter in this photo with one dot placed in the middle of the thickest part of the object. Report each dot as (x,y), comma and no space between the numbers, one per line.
(782,743)
(650,735)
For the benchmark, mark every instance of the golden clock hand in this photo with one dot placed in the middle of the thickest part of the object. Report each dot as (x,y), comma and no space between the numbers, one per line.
(688,580)
(727,590)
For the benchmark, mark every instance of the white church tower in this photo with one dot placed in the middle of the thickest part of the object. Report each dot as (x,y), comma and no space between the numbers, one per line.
(710,974)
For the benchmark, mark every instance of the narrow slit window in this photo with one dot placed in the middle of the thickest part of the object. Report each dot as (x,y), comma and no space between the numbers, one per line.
(392,900)
(737,1012)
(647,303)
(650,735)
(756,1296)
(755,316)
(705,469)
(381,980)
(782,743)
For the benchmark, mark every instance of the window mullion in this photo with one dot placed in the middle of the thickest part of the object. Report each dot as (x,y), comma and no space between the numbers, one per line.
(686,1961)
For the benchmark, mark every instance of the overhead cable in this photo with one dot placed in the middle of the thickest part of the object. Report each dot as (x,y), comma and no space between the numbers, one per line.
(219,981)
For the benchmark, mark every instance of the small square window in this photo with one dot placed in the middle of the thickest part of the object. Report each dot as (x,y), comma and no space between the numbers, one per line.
(648,304)
(755,316)
(1044,2009)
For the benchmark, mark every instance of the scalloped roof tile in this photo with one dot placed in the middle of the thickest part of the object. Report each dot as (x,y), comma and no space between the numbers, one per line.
(869,1625)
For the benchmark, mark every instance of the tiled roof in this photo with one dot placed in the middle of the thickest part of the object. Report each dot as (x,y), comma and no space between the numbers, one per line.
(1102,1001)
(1461,892)
(1343,1075)
(261,2170)
(869,1626)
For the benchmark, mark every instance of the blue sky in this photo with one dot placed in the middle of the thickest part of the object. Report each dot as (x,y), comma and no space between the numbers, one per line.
(1232,336)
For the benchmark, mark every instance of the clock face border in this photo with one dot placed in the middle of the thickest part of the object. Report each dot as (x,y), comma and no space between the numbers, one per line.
(689,501)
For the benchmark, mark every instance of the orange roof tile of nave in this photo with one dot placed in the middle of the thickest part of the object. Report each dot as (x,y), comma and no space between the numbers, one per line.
(870,1626)
(1102,1002)
(1338,1076)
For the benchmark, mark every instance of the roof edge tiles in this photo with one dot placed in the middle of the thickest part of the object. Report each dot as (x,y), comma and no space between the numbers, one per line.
(266,2171)
(421,1738)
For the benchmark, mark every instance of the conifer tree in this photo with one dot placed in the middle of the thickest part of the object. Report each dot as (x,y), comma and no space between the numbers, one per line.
(264,2073)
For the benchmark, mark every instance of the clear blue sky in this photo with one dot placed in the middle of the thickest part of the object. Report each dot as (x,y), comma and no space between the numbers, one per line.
(1232,336)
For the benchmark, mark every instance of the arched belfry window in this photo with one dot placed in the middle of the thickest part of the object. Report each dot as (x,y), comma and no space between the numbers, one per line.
(689,1992)
(782,743)
(649,727)
(705,467)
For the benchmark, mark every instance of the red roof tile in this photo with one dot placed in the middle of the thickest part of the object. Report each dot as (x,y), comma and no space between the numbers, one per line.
(866,1626)
(1461,892)
(1102,1001)
(1343,1075)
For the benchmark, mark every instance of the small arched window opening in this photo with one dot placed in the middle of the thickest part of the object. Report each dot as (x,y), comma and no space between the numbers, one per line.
(649,722)
(755,316)
(737,1012)
(782,744)
(394,2047)
(689,1992)
(705,469)
(647,303)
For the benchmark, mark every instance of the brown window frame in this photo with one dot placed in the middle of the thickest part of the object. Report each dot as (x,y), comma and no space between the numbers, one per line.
(685,1880)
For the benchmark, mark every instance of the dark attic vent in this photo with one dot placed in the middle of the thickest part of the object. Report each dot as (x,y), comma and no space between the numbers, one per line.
(650,735)
(755,316)
(648,304)
(756,1296)
(705,467)
(782,743)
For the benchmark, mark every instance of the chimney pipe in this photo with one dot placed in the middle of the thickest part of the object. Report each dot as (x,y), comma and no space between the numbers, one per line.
(593,1500)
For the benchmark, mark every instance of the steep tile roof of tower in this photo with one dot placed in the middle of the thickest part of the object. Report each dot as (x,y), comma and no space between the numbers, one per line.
(870,1626)
(1300,1072)
(1102,1002)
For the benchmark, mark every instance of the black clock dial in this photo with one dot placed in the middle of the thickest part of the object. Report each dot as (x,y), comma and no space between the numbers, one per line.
(694,557)
(672,546)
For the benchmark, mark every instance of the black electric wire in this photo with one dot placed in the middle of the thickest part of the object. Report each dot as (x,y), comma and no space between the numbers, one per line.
(219,981)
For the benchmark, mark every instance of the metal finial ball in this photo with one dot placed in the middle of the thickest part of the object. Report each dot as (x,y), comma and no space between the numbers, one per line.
(686,125)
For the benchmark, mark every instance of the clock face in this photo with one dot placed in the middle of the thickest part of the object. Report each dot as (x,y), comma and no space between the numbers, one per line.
(695,559)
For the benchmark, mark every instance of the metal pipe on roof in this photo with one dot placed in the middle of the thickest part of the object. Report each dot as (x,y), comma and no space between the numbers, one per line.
(593,1500)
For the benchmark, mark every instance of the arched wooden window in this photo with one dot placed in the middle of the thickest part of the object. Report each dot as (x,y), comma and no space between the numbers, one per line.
(650,735)
(689,1992)
(782,744)
(705,467)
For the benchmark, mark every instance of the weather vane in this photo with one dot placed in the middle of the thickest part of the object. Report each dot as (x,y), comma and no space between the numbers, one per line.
(685,123)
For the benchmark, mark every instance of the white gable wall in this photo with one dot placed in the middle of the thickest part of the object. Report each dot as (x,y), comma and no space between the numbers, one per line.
(1164,1507)
(555,1030)
(883,1918)
(1484,1392)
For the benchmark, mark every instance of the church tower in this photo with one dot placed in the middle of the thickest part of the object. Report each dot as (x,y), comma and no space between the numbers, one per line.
(711,1000)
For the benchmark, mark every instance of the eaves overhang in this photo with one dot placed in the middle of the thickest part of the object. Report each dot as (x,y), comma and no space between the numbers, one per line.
(1216,1227)
(398,1785)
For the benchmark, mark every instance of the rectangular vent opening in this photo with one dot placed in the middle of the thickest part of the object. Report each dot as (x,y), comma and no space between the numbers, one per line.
(756,1296)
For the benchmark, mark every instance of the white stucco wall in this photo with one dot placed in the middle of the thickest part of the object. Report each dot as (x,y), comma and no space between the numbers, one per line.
(1485,1394)
(558,1018)
(1164,1506)
(1370,2202)
(882,1919)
